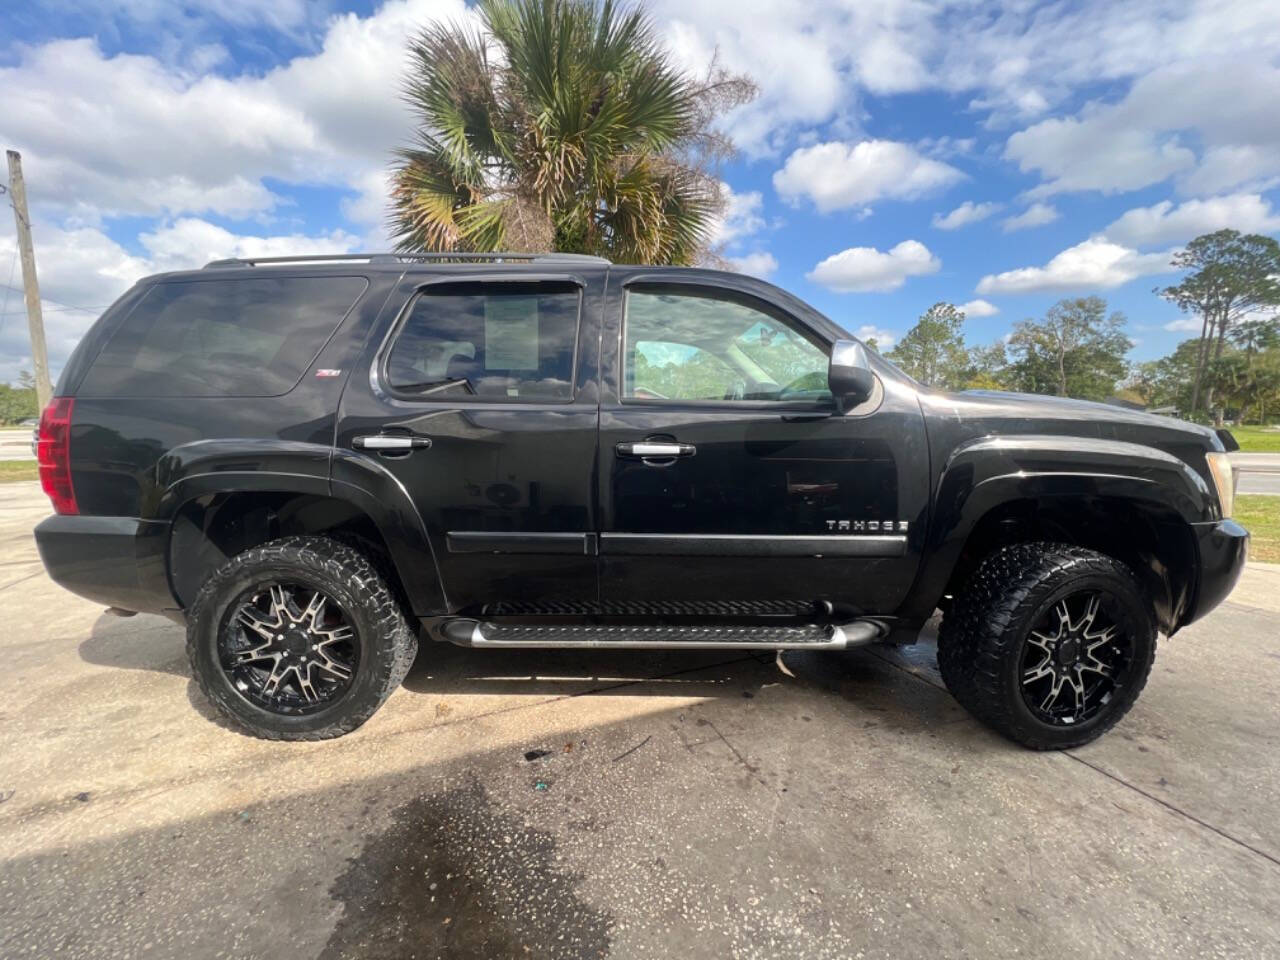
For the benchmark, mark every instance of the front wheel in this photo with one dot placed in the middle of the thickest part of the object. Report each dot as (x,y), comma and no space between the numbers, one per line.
(1049,644)
(298,639)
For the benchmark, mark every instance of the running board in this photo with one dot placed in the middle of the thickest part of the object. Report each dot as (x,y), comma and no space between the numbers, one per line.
(473,633)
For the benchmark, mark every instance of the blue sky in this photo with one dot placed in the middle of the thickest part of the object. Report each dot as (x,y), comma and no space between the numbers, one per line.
(901,152)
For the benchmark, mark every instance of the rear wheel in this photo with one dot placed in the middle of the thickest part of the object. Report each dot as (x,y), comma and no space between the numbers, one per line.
(298,639)
(1049,644)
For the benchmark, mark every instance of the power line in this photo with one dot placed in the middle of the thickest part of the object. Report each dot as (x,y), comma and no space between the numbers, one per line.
(61,303)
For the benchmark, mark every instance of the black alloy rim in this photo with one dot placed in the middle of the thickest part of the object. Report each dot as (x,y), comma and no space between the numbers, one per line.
(288,648)
(1075,659)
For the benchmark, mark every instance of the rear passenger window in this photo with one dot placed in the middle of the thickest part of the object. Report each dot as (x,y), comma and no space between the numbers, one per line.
(222,338)
(494,341)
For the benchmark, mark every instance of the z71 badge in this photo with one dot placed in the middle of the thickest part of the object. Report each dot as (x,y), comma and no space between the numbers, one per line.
(867,526)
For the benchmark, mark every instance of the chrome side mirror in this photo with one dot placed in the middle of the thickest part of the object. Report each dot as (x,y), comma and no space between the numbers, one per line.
(849,375)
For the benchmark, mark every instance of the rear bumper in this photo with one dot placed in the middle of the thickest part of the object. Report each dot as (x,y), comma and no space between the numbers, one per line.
(1224,549)
(116,561)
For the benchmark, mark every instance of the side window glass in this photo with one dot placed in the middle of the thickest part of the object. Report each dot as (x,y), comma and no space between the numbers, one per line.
(221,338)
(493,341)
(694,346)
(678,371)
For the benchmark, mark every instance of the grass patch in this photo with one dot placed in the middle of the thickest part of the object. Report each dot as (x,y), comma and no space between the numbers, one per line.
(1257,439)
(12,471)
(1260,515)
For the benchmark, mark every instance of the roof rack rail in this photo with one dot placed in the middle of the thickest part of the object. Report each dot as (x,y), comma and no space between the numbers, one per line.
(496,257)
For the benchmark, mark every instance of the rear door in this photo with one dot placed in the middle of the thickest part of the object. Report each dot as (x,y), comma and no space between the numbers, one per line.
(482,401)
(728,476)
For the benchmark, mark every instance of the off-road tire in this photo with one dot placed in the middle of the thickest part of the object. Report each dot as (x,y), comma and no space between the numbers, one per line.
(981,640)
(388,645)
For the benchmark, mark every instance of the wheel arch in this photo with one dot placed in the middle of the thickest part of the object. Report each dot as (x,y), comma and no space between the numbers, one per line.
(223,497)
(1134,503)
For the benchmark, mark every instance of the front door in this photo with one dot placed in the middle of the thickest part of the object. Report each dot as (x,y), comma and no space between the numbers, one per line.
(729,480)
(482,402)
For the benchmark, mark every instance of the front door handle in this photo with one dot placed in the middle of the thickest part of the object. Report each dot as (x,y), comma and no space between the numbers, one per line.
(655,449)
(391,441)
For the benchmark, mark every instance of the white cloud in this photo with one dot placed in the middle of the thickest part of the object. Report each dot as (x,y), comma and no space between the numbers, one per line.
(1017,61)
(1164,224)
(1209,124)
(758,264)
(129,135)
(1094,264)
(841,176)
(189,243)
(885,339)
(965,214)
(82,271)
(1192,324)
(742,217)
(866,269)
(978,308)
(1036,215)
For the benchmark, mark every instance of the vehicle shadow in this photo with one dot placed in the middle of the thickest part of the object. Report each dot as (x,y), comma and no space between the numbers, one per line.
(442,668)
(141,642)
(902,683)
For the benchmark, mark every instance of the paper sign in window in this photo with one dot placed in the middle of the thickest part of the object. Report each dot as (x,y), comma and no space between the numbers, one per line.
(511,333)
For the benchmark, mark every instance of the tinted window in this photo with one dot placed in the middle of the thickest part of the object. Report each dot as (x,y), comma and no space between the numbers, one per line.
(695,346)
(496,341)
(222,338)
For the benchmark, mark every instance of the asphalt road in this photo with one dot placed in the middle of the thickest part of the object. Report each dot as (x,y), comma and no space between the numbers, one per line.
(15,444)
(687,805)
(1250,482)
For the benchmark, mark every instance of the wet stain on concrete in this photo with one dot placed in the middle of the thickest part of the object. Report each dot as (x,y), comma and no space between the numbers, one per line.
(456,877)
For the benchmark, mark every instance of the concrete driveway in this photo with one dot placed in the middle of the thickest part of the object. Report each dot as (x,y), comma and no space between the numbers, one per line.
(625,805)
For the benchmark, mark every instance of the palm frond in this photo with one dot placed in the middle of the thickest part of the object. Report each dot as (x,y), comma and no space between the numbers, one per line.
(560,122)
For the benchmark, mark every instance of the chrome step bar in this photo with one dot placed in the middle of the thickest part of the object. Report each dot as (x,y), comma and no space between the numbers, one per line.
(474,633)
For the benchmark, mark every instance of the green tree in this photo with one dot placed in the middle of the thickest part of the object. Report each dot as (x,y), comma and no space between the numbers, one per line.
(1077,350)
(933,351)
(988,367)
(560,124)
(18,402)
(1233,274)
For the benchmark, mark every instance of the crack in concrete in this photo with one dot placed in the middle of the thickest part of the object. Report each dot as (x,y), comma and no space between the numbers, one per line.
(754,771)
(23,579)
(1171,807)
(1175,809)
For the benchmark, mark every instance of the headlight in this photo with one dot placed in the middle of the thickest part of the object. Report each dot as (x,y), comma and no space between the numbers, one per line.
(1224,478)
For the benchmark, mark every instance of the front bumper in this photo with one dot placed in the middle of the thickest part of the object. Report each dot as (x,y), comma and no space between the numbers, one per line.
(116,561)
(1224,548)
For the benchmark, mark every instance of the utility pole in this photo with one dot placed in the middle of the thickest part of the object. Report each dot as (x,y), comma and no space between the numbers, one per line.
(30,287)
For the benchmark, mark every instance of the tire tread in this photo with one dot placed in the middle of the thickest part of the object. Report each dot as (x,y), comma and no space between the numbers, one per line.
(980,631)
(390,630)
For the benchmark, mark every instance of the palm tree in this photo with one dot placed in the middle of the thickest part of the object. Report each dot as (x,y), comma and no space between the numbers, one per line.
(560,124)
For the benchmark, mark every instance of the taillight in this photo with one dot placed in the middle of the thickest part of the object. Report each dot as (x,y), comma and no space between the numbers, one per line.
(53,451)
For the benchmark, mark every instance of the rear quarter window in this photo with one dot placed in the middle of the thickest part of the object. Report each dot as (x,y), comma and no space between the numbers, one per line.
(251,337)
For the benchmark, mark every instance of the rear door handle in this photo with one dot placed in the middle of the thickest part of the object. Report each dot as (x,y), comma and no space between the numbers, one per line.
(391,441)
(655,449)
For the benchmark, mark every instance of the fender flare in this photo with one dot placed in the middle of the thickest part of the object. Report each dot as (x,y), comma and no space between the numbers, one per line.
(247,465)
(984,474)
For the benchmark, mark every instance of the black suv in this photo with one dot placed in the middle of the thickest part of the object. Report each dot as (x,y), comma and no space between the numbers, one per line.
(313,462)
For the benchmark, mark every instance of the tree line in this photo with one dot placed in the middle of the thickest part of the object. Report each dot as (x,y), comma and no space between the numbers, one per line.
(18,400)
(1077,349)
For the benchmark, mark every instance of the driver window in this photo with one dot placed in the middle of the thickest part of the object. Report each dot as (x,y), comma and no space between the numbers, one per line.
(696,346)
